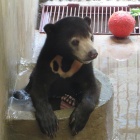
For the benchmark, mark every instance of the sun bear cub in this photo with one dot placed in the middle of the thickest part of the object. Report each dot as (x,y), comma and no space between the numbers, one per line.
(64,66)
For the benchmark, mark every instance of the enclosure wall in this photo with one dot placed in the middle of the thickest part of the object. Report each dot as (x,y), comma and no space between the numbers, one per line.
(17,26)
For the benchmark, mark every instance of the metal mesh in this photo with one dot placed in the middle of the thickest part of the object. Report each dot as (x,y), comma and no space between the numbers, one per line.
(98,14)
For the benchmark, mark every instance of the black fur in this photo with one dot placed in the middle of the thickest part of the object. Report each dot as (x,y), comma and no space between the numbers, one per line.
(55,66)
(45,85)
(66,64)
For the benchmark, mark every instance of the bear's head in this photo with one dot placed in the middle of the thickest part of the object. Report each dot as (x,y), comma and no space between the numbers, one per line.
(72,38)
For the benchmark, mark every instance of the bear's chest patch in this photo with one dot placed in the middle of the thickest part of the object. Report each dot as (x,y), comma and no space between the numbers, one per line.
(64,67)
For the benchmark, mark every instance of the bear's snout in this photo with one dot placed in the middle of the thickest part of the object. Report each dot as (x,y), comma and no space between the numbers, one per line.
(92,54)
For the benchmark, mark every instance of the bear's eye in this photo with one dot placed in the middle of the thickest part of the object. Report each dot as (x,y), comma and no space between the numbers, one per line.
(75,42)
(92,38)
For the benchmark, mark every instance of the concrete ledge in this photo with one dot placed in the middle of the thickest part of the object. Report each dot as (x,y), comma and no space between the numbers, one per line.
(21,125)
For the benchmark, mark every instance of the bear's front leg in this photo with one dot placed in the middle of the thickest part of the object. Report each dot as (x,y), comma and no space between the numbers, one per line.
(45,116)
(81,113)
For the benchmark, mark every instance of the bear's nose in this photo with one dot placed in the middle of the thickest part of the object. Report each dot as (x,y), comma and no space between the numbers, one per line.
(92,54)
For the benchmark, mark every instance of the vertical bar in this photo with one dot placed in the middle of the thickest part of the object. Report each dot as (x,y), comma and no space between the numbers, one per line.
(106,20)
(71,11)
(139,23)
(58,14)
(114,9)
(94,19)
(91,17)
(82,11)
(118,8)
(110,11)
(54,12)
(86,11)
(62,15)
(134,31)
(42,19)
(50,14)
(46,19)
(74,11)
(98,20)
(79,11)
(126,9)
(90,11)
(67,11)
(102,21)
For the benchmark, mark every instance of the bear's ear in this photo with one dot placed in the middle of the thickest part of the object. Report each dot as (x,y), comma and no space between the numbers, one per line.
(49,28)
(88,20)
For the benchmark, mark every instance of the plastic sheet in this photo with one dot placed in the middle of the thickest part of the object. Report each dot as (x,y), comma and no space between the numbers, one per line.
(22,102)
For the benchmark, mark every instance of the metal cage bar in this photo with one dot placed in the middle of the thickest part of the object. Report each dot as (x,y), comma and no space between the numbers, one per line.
(99,15)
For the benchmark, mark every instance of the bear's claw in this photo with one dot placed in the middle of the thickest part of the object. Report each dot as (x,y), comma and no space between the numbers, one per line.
(48,123)
(77,121)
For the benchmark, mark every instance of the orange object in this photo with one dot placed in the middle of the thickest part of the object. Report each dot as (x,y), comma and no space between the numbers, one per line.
(121,24)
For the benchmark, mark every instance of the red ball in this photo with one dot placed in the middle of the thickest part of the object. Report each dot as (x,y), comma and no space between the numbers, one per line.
(121,24)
